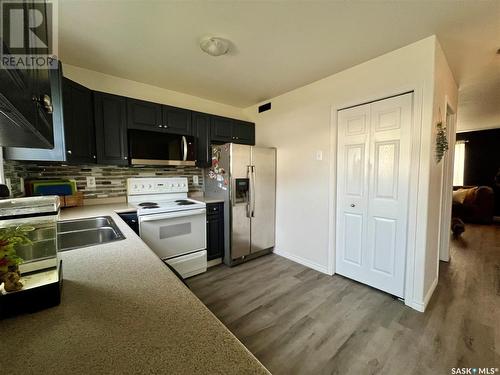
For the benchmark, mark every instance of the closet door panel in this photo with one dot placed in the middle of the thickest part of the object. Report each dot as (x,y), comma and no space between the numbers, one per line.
(390,153)
(352,196)
(373,166)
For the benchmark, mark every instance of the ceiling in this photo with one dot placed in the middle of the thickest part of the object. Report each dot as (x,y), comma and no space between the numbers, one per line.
(277,45)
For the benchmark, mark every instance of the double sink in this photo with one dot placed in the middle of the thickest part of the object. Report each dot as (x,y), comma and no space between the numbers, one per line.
(72,234)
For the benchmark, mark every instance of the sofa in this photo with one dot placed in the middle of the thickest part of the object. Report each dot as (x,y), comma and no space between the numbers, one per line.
(473,204)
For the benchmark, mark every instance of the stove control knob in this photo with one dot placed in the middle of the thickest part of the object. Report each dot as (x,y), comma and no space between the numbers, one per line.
(135,187)
(142,186)
(150,186)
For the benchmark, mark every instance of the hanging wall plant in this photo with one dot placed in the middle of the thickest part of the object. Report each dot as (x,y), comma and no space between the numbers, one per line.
(441,142)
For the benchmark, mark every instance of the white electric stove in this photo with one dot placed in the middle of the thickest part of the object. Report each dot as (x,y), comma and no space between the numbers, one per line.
(170,223)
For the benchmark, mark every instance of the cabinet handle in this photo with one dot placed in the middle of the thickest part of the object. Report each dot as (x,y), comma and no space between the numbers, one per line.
(165,126)
(353,205)
(69,152)
(95,157)
(160,126)
(45,101)
(125,157)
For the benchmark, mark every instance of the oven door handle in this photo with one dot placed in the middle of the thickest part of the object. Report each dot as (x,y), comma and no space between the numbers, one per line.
(172,215)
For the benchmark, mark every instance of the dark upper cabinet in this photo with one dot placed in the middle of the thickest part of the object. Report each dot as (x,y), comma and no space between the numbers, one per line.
(26,100)
(243,132)
(215,230)
(111,128)
(201,131)
(79,131)
(176,120)
(221,129)
(144,115)
(230,130)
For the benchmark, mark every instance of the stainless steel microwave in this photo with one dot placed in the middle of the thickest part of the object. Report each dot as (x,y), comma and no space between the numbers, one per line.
(154,148)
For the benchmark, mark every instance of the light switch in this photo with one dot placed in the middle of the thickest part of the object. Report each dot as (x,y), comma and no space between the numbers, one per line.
(319,155)
(195,180)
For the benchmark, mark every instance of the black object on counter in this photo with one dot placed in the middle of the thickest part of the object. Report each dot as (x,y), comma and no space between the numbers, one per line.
(32,300)
(4,191)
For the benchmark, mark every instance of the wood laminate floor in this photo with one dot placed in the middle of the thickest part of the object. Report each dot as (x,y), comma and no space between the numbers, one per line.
(298,321)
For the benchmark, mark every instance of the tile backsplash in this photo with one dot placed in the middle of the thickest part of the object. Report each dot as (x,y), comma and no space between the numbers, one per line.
(110,180)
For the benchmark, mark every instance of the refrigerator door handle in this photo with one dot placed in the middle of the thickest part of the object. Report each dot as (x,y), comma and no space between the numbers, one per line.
(249,194)
(252,188)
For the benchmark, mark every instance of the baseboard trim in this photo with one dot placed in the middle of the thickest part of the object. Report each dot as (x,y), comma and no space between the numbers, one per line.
(422,305)
(214,262)
(305,262)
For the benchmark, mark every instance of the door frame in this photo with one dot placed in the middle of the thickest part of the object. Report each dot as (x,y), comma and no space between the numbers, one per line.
(411,232)
(447,183)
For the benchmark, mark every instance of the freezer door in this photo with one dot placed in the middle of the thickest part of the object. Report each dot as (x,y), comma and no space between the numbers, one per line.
(239,200)
(263,198)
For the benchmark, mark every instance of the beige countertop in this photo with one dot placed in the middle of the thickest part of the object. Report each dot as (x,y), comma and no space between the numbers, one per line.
(205,198)
(123,312)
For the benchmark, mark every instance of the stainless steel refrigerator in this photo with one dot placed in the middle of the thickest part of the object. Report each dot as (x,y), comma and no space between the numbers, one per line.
(245,178)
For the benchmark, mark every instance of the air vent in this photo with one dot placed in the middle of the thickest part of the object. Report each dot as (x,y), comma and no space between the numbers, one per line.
(265,107)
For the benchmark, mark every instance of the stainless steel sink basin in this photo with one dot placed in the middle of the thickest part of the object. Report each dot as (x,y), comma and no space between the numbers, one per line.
(73,234)
(83,224)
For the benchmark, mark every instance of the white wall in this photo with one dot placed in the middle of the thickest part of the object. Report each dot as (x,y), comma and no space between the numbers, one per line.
(445,94)
(299,125)
(120,86)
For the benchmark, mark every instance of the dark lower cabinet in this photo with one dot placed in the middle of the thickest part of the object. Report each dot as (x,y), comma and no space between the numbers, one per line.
(79,131)
(215,230)
(201,131)
(111,128)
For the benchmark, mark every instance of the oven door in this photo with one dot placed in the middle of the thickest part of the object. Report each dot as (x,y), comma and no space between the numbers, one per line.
(174,233)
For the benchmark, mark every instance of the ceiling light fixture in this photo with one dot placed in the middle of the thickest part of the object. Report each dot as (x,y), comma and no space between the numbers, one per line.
(214,46)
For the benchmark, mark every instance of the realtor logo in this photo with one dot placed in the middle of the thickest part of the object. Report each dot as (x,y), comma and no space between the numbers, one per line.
(28,34)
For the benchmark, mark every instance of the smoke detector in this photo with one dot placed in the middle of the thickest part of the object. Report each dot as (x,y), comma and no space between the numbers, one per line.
(214,46)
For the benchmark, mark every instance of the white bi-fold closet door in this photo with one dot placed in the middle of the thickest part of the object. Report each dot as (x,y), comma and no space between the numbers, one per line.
(373,169)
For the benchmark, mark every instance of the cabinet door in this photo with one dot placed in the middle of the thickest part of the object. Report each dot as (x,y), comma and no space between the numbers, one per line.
(221,129)
(79,129)
(26,93)
(201,131)
(144,115)
(111,129)
(243,132)
(176,120)
(40,77)
(215,230)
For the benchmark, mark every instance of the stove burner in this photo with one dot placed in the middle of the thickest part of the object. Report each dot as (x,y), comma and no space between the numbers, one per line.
(183,202)
(148,204)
